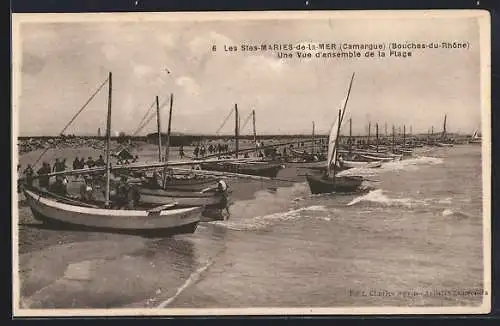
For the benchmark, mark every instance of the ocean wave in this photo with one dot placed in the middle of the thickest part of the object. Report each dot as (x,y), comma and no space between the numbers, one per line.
(377,196)
(410,164)
(263,221)
(449,213)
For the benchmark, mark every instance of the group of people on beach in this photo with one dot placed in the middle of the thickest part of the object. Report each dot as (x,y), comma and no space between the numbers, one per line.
(201,151)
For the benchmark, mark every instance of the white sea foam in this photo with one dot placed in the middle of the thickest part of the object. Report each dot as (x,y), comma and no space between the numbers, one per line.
(260,222)
(378,196)
(409,164)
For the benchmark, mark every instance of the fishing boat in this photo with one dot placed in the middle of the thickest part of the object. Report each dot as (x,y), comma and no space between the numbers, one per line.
(475,138)
(69,213)
(329,182)
(181,198)
(269,170)
(355,164)
(260,167)
(444,142)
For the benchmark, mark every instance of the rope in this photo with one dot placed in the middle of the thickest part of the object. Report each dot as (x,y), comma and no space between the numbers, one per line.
(246,121)
(224,123)
(73,119)
(153,115)
(145,115)
(84,106)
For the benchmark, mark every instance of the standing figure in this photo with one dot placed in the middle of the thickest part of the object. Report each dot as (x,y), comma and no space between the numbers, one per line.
(28,174)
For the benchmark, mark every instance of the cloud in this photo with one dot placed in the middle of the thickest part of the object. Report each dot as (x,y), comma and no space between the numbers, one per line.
(143,70)
(189,85)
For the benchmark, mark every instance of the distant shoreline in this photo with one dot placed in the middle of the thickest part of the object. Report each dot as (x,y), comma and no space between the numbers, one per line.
(262,136)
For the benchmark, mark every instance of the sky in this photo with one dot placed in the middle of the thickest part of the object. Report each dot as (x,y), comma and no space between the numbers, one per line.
(63,63)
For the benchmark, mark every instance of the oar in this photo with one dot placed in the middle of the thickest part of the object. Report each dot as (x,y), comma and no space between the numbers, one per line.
(132,167)
(238,175)
(158,209)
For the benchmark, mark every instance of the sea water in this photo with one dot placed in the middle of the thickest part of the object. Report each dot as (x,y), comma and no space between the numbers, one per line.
(415,234)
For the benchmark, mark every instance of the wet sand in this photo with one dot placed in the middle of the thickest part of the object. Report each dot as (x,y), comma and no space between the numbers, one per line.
(86,269)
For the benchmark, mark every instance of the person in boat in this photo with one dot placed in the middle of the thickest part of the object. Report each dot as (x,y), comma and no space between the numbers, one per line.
(56,165)
(202,151)
(152,182)
(43,178)
(28,175)
(196,151)
(126,196)
(76,163)
(18,181)
(100,161)
(246,155)
(90,162)
(340,160)
(59,187)
(86,190)
(181,151)
(135,158)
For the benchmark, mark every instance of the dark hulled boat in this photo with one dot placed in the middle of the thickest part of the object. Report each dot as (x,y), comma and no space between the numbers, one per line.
(269,170)
(323,184)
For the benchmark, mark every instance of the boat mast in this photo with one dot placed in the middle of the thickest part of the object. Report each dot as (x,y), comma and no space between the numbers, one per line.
(336,144)
(108,140)
(404,136)
(159,128)
(369,132)
(444,127)
(376,134)
(313,140)
(254,131)
(167,147)
(350,135)
(393,137)
(236,129)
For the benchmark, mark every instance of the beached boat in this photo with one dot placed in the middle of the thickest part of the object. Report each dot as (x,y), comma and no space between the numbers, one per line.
(329,182)
(355,164)
(261,168)
(269,170)
(182,198)
(66,213)
(185,185)
(322,184)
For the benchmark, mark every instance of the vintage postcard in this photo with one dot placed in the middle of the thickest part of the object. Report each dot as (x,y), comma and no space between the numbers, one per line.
(250,163)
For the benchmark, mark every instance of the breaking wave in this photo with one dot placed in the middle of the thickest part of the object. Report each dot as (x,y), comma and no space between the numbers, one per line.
(410,164)
(450,213)
(260,222)
(377,196)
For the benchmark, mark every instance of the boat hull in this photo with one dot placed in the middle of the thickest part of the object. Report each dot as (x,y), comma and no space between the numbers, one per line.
(368,165)
(262,170)
(183,199)
(321,185)
(140,222)
(195,184)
